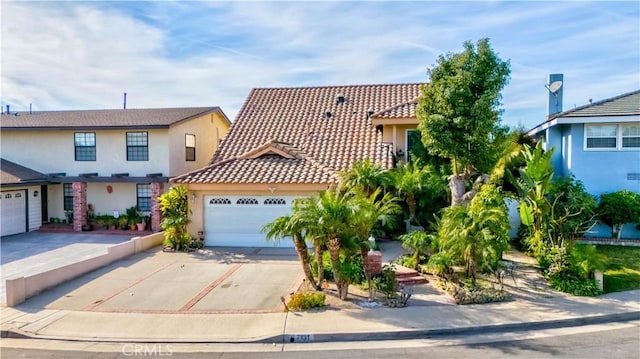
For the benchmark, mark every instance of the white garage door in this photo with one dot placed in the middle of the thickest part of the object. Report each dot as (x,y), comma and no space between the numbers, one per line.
(14,212)
(236,221)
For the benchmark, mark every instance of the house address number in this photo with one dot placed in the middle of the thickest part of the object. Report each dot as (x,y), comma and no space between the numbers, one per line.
(301,338)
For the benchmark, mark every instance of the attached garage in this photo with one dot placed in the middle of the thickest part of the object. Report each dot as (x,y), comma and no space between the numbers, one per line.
(13,206)
(236,221)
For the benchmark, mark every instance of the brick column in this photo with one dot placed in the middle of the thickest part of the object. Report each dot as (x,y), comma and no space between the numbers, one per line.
(79,205)
(157,188)
(374,262)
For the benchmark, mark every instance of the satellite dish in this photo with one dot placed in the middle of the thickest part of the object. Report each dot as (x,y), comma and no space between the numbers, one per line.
(555,86)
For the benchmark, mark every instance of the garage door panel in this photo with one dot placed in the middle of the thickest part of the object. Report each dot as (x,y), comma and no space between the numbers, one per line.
(14,212)
(238,220)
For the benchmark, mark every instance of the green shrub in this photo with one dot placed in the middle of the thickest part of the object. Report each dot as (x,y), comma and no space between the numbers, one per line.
(569,281)
(441,265)
(475,294)
(352,270)
(617,208)
(326,266)
(306,300)
(386,282)
(585,259)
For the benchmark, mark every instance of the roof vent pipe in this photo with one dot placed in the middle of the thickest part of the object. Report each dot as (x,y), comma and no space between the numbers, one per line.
(369,113)
(327,115)
(8,112)
(124,106)
(339,99)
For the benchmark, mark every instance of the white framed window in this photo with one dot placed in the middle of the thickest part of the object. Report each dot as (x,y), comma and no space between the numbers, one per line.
(631,136)
(190,147)
(611,137)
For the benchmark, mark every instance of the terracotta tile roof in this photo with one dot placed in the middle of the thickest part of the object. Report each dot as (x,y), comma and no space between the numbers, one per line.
(151,117)
(13,173)
(403,110)
(319,134)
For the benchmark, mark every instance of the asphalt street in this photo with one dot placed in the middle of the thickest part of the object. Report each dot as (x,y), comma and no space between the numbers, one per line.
(611,341)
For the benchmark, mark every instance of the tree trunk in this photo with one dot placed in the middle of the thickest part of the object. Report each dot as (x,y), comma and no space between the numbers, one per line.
(458,185)
(334,252)
(364,254)
(303,253)
(319,254)
(411,203)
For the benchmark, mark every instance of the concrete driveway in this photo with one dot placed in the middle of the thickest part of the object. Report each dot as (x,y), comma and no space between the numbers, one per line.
(30,253)
(213,280)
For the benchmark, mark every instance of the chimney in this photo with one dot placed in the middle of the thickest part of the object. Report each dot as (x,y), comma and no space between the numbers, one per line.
(555,87)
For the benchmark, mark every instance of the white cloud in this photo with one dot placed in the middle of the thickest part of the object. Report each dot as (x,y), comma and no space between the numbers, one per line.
(167,54)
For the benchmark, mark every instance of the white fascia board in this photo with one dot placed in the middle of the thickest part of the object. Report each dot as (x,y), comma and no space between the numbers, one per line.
(584,119)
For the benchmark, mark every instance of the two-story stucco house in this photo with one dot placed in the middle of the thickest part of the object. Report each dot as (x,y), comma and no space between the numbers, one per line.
(111,159)
(598,143)
(293,142)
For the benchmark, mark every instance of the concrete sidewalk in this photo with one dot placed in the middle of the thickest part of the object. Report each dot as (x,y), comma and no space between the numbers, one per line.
(318,326)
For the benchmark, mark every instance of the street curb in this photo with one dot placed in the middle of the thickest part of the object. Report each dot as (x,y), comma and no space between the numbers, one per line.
(351,337)
(483,329)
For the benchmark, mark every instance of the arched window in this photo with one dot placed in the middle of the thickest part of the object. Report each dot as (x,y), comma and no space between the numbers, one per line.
(220,201)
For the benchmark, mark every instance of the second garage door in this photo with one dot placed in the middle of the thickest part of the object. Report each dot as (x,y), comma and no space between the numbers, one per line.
(237,221)
(14,212)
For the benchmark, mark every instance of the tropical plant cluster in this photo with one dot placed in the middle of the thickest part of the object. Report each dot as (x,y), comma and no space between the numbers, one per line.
(174,205)
(554,213)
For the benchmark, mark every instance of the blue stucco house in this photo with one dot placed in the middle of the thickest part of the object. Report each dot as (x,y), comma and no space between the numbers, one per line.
(599,143)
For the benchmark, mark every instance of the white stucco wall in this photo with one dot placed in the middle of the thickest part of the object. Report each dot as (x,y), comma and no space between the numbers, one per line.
(53,151)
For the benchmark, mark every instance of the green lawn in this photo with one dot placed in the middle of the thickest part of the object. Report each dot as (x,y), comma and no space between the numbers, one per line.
(623,269)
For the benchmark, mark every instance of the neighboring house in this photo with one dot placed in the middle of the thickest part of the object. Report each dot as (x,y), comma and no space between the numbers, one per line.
(598,143)
(293,142)
(20,204)
(111,159)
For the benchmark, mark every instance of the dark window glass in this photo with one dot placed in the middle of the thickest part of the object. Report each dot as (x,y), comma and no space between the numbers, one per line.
(143,202)
(413,139)
(67,190)
(137,146)
(601,142)
(630,142)
(85,146)
(190,147)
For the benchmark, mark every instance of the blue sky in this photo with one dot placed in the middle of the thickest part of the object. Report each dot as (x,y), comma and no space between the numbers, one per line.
(84,55)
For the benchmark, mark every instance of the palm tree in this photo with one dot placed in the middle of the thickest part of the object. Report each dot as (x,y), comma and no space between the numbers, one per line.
(409,179)
(307,214)
(333,211)
(365,177)
(370,214)
(477,234)
(287,226)
(418,242)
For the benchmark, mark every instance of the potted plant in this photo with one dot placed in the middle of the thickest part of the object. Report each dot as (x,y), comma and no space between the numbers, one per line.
(111,222)
(123,222)
(142,224)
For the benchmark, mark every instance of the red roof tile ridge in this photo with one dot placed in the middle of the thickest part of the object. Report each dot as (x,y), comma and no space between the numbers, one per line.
(336,86)
(332,172)
(281,148)
(412,102)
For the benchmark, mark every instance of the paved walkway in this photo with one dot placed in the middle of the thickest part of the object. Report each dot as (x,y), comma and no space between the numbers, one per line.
(321,325)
